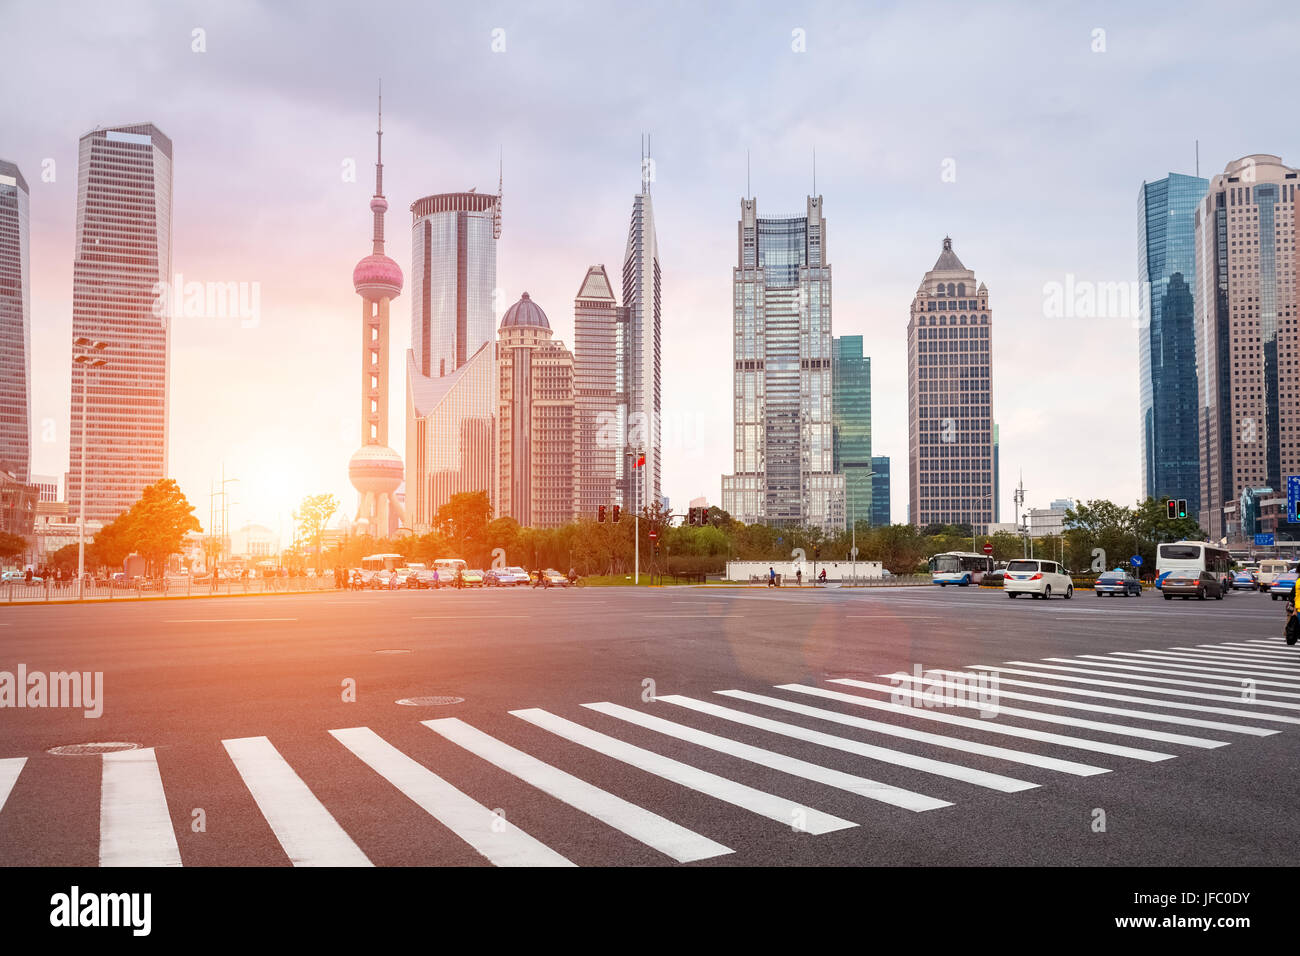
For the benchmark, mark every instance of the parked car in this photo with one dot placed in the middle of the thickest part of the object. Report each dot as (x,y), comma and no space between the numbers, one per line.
(1191,584)
(1040,578)
(471,578)
(509,577)
(1117,582)
(1283,586)
(423,578)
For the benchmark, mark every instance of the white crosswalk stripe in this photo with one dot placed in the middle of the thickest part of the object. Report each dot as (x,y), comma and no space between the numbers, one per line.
(135,827)
(1146,678)
(1242,667)
(863,787)
(667,837)
(941,768)
(1096,662)
(495,838)
(1096,682)
(307,831)
(10,768)
(701,781)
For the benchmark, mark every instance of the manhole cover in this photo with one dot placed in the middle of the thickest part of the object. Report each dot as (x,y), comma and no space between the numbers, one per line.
(79,750)
(430,701)
(394,650)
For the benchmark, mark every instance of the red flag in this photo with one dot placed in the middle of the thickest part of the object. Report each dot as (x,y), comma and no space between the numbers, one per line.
(640,461)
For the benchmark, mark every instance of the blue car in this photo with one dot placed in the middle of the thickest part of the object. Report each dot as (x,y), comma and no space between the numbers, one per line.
(1283,586)
(1243,581)
(1117,582)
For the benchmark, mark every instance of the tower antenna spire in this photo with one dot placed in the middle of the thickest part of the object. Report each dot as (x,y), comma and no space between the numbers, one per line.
(496,216)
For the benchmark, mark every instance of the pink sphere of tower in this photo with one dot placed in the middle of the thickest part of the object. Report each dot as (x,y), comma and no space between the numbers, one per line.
(377,276)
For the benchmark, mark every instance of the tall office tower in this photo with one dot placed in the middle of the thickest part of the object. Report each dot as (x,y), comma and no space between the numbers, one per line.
(1247,341)
(851,429)
(600,368)
(122,268)
(375,469)
(1167,337)
(536,421)
(450,365)
(879,491)
(997,475)
(784,457)
(950,397)
(640,486)
(15,324)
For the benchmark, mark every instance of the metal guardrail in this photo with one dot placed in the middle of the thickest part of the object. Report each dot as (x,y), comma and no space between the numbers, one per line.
(894,580)
(20,592)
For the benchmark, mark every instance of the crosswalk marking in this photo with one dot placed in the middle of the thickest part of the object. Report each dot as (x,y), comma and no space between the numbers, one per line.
(1250,653)
(1184,667)
(10,768)
(1169,704)
(1105,709)
(990,726)
(500,841)
(1271,669)
(1203,672)
(1272,647)
(1121,729)
(702,781)
(1238,658)
(308,833)
(135,827)
(683,845)
(1146,678)
(1000,669)
(939,740)
(863,787)
(941,768)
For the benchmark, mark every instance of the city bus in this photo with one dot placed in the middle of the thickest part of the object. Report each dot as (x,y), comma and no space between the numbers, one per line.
(962,568)
(382,562)
(1194,556)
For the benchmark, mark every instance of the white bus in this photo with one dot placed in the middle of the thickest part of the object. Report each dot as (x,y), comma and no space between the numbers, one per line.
(962,568)
(1194,556)
(382,562)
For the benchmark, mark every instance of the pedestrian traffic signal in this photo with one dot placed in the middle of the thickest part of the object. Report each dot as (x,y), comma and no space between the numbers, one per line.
(1171,507)
(600,513)
(1182,507)
(617,511)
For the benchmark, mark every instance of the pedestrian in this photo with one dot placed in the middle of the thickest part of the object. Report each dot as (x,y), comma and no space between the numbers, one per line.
(822,576)
(1291,632)
(798,577)
(771,577)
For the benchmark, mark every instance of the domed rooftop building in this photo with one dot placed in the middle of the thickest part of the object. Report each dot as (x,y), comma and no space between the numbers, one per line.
(525,312)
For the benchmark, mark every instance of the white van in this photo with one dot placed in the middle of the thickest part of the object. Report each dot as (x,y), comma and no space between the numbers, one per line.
(1042,579)
(1269,570)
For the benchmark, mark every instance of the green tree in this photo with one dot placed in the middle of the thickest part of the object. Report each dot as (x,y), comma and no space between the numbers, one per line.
(113,542)
(11,545)
(158,522)
(463,521)
(312,516)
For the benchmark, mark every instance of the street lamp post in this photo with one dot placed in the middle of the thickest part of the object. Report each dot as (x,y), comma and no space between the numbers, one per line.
(853,521)
(89,359)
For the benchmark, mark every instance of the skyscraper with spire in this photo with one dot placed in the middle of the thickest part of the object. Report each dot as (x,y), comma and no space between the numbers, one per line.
(15,323)
(375,469)
(640,466)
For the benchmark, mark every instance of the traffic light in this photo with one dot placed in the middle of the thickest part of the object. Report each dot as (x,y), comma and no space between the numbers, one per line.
(617,511)
(1171,507)
(600,513)
(1182,507)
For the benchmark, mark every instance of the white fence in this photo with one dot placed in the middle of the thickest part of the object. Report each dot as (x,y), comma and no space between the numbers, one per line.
(837,572)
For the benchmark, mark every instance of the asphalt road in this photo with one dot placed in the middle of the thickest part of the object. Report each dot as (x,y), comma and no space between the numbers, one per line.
(232,703)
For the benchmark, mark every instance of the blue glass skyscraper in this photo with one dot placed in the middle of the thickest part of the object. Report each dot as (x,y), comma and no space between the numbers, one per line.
(1167,337)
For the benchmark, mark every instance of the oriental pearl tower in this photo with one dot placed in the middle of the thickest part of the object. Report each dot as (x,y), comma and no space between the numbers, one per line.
(376,470)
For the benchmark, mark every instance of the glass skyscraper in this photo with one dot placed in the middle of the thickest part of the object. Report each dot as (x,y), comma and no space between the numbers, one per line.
(121,271)
(851,436)
(880,491)
(1167,338)
(783,441)
(600,368)
(642,384)
(15,323)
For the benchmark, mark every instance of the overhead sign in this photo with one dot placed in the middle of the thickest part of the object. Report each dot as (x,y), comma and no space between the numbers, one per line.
(1136,560)
(1264,540)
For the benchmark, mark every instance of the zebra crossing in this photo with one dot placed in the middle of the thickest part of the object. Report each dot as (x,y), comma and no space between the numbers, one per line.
(739,750)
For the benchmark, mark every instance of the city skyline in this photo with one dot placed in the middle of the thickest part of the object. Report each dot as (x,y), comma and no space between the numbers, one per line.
(699,171)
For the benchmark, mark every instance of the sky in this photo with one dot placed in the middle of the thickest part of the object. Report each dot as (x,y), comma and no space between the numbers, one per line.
(1022,130)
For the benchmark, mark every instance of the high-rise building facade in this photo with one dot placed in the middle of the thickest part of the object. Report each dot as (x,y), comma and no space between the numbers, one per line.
(851,424)
(15,323)
(120,274)
(782,366)
(450,367)
(880,491)
(640,486)
(1247,340)
(1167,337)
(375,469)
(536,421)
(600,351)
(950,397)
